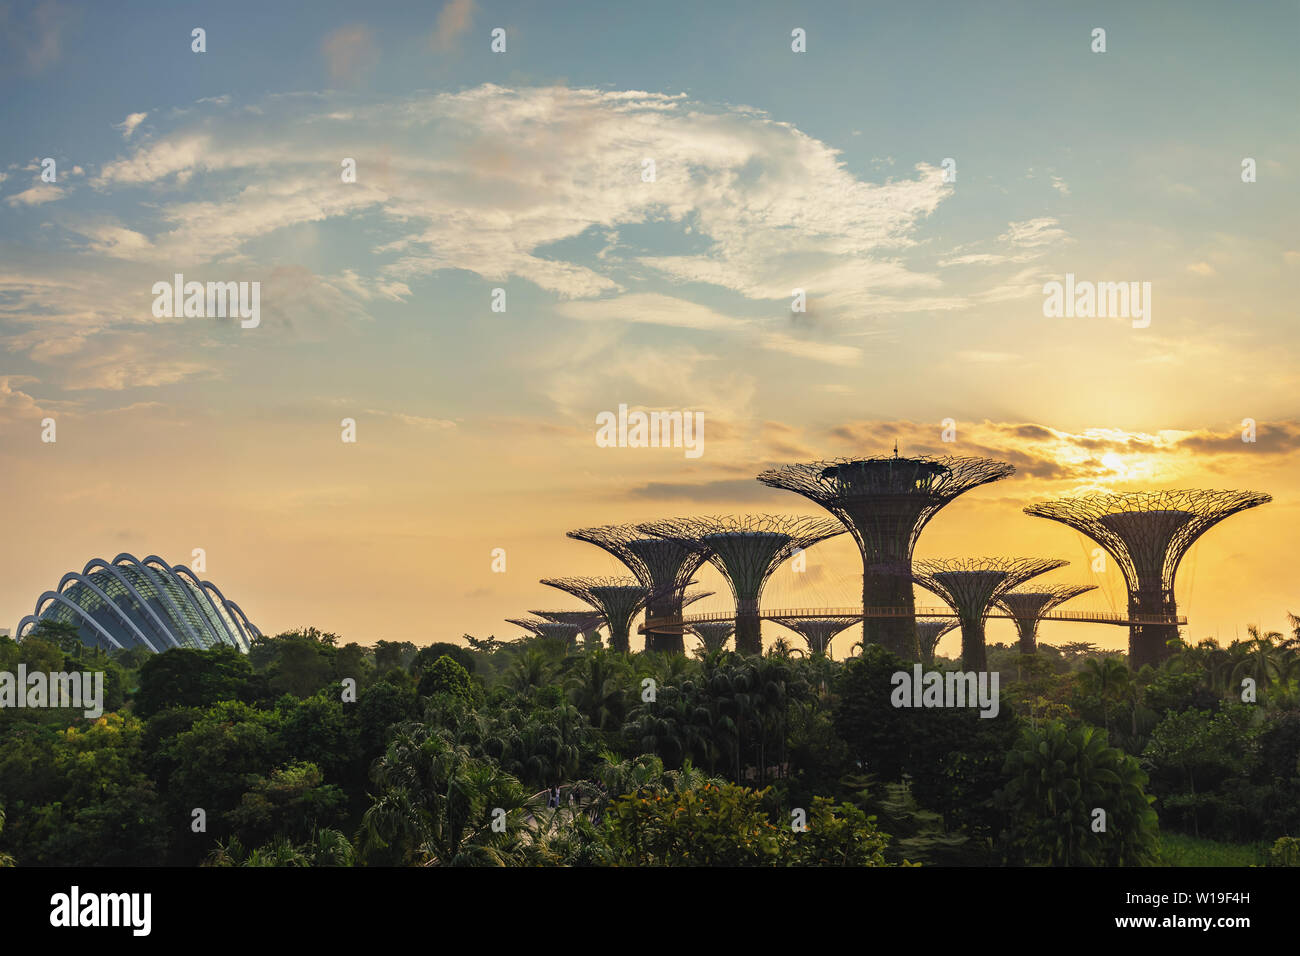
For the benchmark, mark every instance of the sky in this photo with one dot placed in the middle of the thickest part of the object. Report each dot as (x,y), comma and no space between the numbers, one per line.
(528,171)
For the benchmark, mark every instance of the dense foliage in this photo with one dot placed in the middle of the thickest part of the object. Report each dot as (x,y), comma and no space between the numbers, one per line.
(313,752)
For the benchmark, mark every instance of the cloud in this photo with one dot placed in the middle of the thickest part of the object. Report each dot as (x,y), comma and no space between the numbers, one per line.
(349,51)
(832,354)
(491,179)
(724,490)
(45,192)
(651,309)
(128,125)
(454,19)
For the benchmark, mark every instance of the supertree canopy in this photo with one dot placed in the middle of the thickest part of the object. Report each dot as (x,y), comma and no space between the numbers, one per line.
(885,502)
(1148,533)
(587,622)
(714,634)
(1028,607)
(558,630)
(928,632)
(746,550)
(661,564)
(618,599)
(818,632)
(971,586)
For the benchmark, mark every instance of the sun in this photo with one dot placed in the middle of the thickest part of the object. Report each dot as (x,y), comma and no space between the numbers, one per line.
(1115,463)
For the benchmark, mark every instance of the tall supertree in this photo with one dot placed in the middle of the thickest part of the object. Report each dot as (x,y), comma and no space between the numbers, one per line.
(558,630)
(1148,533)
(746,550)
(1028,607)
(714,634)
(818,632)
(885,502)
(662,565)
(587,622)
(618,600)
(971,586)
(928,632)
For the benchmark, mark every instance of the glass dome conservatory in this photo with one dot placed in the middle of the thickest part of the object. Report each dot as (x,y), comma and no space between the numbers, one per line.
(149,603)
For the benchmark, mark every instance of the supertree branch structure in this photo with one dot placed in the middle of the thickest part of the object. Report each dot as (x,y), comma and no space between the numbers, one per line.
(618,600)
(1148,533)
(541,627)
(817,632)
(746,550)
(971,586)
(1028,607)
(885,502)
(928,632)
(714,634)
(587,622)
(662,565)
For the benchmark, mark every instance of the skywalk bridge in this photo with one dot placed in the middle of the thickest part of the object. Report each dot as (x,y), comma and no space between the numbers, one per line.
(678,625)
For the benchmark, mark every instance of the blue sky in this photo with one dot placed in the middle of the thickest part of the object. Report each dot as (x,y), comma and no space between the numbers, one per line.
(520,170)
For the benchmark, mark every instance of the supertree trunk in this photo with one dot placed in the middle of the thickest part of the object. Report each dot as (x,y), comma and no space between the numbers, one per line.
(974,657)
(1028,631)
(895,634)
(749,630)
(1149,643)
(665,608)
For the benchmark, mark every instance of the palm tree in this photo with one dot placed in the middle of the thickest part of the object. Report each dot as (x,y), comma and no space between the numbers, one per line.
(598,687)
(1261,658)
(1108,679)
(440,806)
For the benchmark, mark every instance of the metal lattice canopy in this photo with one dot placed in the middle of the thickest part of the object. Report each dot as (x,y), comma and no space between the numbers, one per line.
(885,501)
(714,634)
(661,564)
(817,632)
(970,586)
(560,630)
(1028,607)
(618,599)
(1032,605)
(928,632)
(1148,532)
(746,549)
(586,620)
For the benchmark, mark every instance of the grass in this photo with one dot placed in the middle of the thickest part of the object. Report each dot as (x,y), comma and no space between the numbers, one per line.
(1178,849)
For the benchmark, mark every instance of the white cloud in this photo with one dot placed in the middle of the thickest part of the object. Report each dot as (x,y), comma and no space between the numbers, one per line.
(45,192)
(128,125)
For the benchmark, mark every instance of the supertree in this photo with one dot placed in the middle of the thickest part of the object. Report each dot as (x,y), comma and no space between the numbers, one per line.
(971,586)
(1148,533)
(713,634)
(885,502)
(817,632)
(557,630)
(662,565)
(1028,607)
(928,632)
(587,622)
(618,600)
(746,550)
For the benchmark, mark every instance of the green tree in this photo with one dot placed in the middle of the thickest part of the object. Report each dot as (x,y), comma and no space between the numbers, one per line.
(1060,778)
(437,803)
